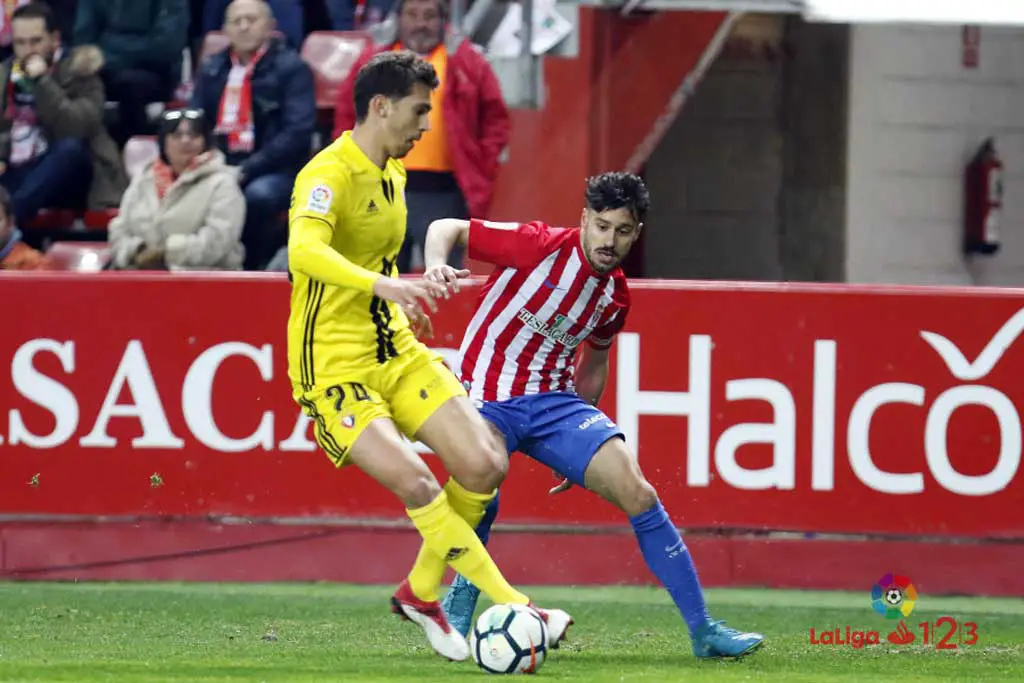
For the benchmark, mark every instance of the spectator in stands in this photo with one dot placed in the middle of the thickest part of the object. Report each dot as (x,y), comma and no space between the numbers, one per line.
(63,11)
(54,150)
(260,94)
(14,254)
(287,14)
(185,210)
(452,169)
(142,43)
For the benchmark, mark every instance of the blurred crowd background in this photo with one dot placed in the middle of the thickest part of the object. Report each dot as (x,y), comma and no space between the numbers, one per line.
(177,127)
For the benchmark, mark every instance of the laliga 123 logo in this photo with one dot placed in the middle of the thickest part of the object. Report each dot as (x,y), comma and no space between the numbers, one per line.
(893,597)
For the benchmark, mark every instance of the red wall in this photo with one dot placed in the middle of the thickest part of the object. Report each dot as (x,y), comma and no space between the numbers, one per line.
(885,419)
(599,107)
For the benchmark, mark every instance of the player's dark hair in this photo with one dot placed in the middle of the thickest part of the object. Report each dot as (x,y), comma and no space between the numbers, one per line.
(37,10)
(615,190)
(393,75)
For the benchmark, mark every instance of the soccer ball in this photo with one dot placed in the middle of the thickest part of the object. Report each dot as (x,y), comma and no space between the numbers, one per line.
(894,596)
(509,639)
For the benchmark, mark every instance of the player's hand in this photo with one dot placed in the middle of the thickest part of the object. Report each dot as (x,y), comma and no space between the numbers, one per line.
(447,276)
(413,295)
(564,485)
(420,323)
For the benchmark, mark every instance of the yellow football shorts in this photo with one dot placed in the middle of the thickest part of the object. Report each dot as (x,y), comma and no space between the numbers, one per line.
(407,389)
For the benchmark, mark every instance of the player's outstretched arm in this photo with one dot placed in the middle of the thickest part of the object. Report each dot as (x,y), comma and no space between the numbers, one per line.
(591,377)
(442,236)
(310,253)
(313,218)
(592,374)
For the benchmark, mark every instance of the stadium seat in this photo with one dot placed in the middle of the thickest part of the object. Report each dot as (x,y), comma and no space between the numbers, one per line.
(331,55)
(51,219)
(98,220)
(138,152)
(82,257)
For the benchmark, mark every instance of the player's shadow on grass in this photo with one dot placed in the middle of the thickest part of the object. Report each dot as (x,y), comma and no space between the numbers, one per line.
(683,656)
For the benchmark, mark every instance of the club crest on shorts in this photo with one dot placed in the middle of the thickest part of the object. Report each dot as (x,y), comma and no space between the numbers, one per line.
(320,198)
(348,421)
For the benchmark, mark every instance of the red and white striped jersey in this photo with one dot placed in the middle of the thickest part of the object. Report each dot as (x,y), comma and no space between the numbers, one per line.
(538,305)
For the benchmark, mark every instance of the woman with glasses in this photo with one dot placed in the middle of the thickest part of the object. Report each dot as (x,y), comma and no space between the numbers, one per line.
(184,210)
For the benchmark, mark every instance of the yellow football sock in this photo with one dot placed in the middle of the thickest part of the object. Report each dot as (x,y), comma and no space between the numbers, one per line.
(470,506)
(428,570)
(449,536)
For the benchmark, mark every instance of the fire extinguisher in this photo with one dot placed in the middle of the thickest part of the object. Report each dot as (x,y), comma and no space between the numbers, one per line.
(984,201)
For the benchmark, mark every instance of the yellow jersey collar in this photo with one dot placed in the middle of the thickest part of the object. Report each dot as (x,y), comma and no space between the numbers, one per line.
(358,157)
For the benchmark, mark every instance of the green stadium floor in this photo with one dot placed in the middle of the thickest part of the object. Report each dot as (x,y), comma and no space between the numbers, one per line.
(288,633)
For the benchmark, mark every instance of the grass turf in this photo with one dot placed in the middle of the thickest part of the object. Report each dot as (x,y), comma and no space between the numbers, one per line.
(287,633)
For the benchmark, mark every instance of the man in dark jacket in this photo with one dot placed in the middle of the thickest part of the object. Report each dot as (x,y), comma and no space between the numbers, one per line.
(142,43)
(453,167)
(54,150)
(260,94)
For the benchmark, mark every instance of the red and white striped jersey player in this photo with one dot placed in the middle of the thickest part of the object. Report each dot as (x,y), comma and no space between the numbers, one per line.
(554,292)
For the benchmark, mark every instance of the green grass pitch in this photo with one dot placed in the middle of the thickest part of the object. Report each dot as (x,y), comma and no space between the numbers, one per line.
(288,633)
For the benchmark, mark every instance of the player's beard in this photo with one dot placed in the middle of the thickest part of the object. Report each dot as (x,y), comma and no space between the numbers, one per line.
(604,266)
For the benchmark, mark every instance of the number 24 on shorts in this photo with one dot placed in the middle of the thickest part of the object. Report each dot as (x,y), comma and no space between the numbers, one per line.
(337,393)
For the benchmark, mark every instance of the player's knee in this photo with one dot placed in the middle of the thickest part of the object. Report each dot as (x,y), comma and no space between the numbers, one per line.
(637,497)
(483,465)
(417,489)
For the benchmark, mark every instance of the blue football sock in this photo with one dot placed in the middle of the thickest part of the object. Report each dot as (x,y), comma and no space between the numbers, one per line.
(483,532)
(483,529)
(459,602)
(669,559)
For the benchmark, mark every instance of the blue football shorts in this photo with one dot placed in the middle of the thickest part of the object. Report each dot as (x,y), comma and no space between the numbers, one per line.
(557,429)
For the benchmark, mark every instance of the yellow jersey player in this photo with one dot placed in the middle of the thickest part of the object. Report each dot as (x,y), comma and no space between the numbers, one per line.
(355,364)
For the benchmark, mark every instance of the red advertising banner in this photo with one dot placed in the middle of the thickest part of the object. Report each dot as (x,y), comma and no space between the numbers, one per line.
(809,408)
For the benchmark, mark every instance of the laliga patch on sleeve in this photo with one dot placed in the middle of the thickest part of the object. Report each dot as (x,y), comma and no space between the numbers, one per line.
(320,198)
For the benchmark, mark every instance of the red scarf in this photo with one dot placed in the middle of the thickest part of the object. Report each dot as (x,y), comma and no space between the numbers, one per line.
(234,116)
(163,174)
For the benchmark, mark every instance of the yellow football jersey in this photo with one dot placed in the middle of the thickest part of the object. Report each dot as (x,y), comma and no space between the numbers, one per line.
(340,334)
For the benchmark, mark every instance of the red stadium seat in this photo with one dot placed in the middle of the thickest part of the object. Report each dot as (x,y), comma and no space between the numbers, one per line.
(83,257)
(331,55)
(139,151)
(52,219)
(98,220)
